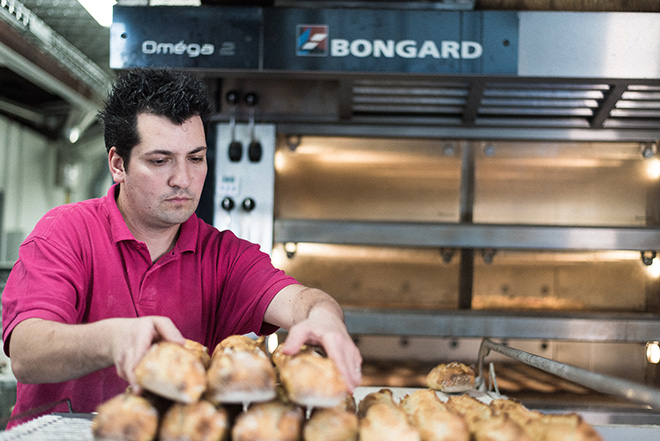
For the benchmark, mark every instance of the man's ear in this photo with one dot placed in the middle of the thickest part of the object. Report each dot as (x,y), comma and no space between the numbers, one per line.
(116,164)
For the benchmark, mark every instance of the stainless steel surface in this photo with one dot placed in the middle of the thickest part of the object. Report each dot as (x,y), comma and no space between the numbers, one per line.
(603,96)
(467,235)
(453,128)
(560,326)
(602,383)
(368,178)
(568,44)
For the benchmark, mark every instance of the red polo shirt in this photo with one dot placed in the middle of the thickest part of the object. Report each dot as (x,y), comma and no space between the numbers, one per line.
(81,264)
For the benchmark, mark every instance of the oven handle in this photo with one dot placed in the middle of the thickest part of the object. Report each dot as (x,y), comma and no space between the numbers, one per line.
(598,382)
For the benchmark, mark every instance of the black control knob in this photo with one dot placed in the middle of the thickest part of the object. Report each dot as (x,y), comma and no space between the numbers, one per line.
(255,151)
(233,97)
(227,204)
(248,204)
(235,151)
(251,99)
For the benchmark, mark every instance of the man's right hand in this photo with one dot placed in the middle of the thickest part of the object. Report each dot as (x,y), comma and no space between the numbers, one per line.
(44,351)
(141,333)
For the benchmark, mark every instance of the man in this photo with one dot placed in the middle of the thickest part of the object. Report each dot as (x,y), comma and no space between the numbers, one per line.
(97,282)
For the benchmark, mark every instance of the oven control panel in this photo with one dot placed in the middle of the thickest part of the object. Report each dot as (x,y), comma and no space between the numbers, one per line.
(245,181)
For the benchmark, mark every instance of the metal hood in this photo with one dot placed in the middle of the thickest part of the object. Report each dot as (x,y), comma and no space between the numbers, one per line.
(436,73)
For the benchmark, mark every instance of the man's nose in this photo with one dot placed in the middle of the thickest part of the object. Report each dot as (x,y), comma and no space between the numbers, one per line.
(180,176)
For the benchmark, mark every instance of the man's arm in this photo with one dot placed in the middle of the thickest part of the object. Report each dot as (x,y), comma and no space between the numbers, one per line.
(44,351)
(312,316)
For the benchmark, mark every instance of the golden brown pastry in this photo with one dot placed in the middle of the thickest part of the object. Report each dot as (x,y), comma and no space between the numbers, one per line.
(382,396)
(450,378)
(432,417)
(200,421)
(541,427)
(200,351)
(240,372)
(483,422)
(312,380)
(331,425)
(240,342)
(125,417)
(386,421)
(470,408)
(173,372)
(348,404)
(269,421)
(498,428)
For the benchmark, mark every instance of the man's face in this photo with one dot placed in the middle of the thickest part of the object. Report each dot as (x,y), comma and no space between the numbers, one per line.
(164,181)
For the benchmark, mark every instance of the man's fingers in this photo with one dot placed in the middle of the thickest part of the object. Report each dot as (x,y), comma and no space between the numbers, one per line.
(294,341)
(168,331)
(348,362)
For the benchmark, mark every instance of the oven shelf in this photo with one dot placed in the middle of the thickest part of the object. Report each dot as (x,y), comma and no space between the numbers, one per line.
(603,327)
(489,236)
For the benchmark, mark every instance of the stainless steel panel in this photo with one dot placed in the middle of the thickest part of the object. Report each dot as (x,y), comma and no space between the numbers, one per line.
(493,128)
(599,45)
(368,179)
(568,326)
(594,184)
(594,281)
(375,277)
(467,235)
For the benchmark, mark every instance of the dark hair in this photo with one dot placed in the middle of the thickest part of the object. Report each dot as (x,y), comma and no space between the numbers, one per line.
(162,92)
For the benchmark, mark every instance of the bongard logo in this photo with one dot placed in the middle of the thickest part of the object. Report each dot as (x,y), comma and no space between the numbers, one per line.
(313,40)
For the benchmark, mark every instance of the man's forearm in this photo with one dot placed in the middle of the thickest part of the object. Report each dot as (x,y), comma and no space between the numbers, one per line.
(313,317)
(296,303)
(43,351)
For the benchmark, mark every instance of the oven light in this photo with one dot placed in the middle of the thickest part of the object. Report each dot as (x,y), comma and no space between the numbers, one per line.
(653,269)
(271,343)
(290,248)
(653,168)
(653,352)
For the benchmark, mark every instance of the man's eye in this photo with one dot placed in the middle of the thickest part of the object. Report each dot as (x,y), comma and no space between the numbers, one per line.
(197,158)
(157,161)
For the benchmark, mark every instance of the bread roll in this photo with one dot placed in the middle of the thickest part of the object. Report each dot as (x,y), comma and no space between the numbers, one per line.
(333,424)
(241,342)
(268,421)
(432,417)
(541,427)
(483,422)
(385,421)
(200,421)
(382,396)
(312,380)
(173,372)
(125,417)
(450,378)
(497,428)
(240,372)
(200,351)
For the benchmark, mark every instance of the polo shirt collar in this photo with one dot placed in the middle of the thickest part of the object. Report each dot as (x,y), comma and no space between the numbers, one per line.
(119,230)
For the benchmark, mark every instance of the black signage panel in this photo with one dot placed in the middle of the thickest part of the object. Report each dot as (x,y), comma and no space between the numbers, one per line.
(185,37)
(406,41)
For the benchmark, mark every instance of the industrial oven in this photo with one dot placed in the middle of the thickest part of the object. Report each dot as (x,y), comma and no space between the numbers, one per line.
(439,210)
(448,175)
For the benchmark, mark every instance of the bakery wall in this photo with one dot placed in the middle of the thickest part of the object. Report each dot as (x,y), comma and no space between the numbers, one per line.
(37,174)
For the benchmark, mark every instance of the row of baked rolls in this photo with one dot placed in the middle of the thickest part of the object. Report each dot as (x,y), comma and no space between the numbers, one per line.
(547,427)
(184,387)
(239,371)
(506,419)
